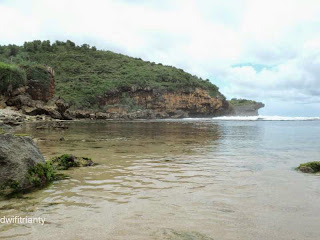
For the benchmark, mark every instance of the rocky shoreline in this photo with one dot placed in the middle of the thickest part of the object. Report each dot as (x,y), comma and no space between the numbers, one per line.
(36,101)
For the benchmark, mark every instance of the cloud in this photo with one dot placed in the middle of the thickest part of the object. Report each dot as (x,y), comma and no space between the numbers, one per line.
(295,80)
(215,39)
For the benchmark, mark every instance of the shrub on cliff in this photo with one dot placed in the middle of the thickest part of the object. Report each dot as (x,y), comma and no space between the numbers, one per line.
(36,72)
(11,77)
(242,102)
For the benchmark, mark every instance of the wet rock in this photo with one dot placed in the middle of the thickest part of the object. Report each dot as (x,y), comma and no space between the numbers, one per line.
(309,167)
(79,113)
(306,169)
(101,115)
(52,125)
(180,114)
(67,161)
(59,125)
(22,165)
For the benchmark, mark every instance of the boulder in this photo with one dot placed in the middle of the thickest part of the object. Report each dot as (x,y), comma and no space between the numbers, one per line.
(101,115)
(19,160)
(66,161)
(78,113)
(55,108)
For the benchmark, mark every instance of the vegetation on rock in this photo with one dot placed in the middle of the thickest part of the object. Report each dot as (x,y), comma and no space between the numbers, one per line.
(310,167)
(36,72)
(38,176)
(241,102)
(41,174)
(85,74)
(11,76)
(66,161)
(10,187)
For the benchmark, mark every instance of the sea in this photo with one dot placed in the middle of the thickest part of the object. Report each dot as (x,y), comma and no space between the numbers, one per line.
(194,178)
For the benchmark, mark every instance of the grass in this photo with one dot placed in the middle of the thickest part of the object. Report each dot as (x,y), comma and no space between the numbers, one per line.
(11,76)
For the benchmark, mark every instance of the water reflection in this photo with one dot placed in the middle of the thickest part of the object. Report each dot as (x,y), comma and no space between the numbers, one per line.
(172,180)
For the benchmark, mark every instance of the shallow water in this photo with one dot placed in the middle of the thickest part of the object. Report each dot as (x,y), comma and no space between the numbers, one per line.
(182,179)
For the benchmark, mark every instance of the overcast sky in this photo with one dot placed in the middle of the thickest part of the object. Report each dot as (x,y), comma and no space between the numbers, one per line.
(263,50)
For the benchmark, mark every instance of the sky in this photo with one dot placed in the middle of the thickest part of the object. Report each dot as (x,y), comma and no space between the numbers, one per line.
(267,51)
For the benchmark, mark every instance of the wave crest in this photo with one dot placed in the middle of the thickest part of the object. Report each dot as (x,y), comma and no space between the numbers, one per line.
(265,118)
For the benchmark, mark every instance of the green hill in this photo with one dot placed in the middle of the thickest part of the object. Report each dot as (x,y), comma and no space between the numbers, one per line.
(84,73)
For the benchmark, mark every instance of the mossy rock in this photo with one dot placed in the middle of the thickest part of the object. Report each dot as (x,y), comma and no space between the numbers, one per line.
(66,161)
(10,187)
(22,166)
(41,174)
(309,167)
(38,176)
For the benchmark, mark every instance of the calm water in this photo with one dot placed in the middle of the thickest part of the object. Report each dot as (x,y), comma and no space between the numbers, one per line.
(187,179)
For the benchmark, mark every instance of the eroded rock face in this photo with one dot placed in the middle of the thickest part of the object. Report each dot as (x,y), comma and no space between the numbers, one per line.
(246,110)
(55,108)
(197,103)
(17,156)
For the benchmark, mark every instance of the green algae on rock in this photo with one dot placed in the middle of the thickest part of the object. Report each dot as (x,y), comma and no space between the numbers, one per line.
(41,174)
(309,167)
(66,161)
(22,170)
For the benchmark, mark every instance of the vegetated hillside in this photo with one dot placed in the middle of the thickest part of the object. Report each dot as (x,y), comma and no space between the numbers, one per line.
(83,73)
(242,102)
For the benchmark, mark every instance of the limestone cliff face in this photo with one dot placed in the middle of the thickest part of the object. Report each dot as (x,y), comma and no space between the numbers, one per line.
(246,110)
(197,103)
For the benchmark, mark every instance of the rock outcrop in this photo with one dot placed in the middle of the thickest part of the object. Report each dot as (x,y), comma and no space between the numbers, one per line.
(244,107)
(37,97)
(66,161)
(55,108)
(18,157)
(163,104)
(246,110)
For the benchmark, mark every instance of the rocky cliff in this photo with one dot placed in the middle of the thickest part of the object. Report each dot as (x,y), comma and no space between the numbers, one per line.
(125,102)
(37,96)
(163,104)
(244,107)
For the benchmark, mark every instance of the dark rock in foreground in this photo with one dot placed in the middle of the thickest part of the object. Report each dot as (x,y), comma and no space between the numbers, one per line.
(22,166)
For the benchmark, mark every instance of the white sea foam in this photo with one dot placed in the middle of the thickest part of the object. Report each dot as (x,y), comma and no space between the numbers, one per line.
(265,118)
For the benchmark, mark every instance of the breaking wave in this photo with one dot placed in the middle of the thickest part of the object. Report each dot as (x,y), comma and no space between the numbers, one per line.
(265,118)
